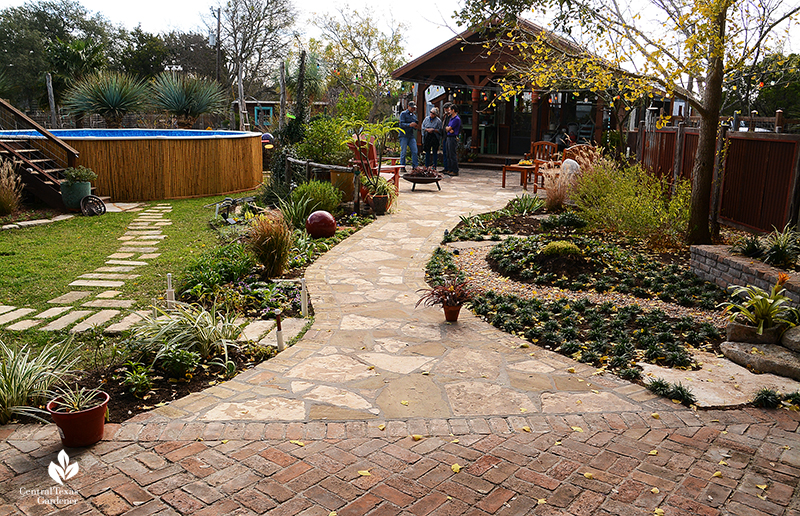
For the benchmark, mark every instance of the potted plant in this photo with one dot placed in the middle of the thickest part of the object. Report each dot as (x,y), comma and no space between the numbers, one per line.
(765,315)
(80,415)
(451,294)
(381,192)
(77,185)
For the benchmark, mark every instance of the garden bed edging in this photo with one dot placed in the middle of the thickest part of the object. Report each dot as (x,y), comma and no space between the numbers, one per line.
(716,264)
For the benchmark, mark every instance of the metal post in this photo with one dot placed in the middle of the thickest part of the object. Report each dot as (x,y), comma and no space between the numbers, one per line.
(279,332)
(170,296)
(303,298)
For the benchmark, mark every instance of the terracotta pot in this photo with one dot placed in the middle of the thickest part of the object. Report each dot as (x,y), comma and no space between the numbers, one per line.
(744,333)
(83,428)
(451,312)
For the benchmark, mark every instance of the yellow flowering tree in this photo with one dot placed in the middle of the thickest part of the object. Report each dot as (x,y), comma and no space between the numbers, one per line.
(683,48)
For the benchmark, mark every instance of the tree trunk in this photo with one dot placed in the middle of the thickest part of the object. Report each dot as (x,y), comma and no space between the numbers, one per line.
(703,171)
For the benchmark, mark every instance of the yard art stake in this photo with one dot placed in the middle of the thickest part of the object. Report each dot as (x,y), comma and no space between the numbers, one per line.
(279,332)
(170,296)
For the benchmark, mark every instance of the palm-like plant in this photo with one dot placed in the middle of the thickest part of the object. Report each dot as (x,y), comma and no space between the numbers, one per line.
(186,97)
(110,94)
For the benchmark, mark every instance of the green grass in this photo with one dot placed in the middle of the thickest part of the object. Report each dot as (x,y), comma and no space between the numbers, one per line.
(38,263)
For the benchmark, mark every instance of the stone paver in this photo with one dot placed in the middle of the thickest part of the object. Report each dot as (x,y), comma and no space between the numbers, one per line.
(98,319)
(382,408)
(97,283)
(65,320)
(125,324)
(52,312)
(70,297)
(24,324)
(110,303)
(15,314)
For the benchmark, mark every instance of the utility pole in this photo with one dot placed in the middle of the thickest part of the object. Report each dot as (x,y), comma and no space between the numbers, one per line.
(219,24)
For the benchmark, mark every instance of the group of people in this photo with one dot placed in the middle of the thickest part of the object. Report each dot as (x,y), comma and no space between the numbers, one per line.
(435,132)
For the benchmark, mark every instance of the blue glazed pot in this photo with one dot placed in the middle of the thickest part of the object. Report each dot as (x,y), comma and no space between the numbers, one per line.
(72,194)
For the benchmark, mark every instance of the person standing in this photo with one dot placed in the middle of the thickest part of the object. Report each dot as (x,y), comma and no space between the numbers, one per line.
(431,134)
(451,142)
(408,140)
(445,119)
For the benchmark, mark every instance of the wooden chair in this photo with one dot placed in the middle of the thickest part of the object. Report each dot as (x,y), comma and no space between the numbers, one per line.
(541,153)
(366,159)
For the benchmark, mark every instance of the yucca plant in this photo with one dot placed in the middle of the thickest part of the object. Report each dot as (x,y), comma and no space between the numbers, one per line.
(189,327)
(27,376)
(186,97)
(782,248)
(270,240)
(112,95)
(10,188)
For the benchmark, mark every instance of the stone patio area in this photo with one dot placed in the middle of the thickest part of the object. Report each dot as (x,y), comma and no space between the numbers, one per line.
(382,408)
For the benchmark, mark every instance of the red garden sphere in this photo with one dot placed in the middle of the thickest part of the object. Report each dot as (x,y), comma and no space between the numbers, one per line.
(321,224)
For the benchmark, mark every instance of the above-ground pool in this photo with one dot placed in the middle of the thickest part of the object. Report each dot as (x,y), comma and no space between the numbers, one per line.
(156,164)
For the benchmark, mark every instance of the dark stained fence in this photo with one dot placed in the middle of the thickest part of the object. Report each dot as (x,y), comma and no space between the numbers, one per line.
(759,181)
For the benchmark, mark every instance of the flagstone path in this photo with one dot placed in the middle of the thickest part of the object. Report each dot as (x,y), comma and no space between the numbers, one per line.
(385,409)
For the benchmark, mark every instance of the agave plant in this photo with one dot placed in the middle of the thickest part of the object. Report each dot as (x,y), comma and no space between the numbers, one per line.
(186,97)
(112,95)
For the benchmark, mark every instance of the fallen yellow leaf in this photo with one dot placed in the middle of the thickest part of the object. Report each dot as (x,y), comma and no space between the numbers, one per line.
(523,409)
(763,497)
(224,441)
(595,391)
(526,429)
(381,427)
(416,437)
(571,370)
(298,443)
(333,513)
(654,490)
(454,441)
(578,402)
(577,429)
(588,475)
(370,368)
(653,452)
(717,474)
(558,443)
(723,463)
(541,501)
(655,415)
(455,467)
(659,512)
(404,402)
(761,486)
(787,447)
(364,473)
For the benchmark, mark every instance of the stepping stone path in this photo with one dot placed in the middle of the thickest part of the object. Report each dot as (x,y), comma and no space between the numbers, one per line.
(99,290)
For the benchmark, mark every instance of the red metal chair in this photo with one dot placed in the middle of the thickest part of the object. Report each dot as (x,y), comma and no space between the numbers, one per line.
(366,159)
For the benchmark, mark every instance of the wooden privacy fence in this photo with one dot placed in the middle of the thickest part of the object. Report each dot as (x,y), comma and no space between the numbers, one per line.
(758,179)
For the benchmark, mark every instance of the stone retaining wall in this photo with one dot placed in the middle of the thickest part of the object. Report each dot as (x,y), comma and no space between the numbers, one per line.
(716,264)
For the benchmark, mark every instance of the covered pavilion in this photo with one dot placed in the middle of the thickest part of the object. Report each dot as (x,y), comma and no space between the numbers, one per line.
(462,71)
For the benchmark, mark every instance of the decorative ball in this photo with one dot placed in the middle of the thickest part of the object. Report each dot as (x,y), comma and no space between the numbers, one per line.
(321,224)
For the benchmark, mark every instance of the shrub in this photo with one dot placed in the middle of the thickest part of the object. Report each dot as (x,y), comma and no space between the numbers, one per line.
(749,246)
(353,107)
(178,362)
(631,201)
(524,205)
(10,189)
(565,221)
(782,248)
(26,377)
(79,174)
(324,142)
(270,240)
(215,268)
(560,248)
(110,94)
(186,97)
(323,195)
(189,327)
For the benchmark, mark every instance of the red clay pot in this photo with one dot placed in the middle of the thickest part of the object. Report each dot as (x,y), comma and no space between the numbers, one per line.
(83,428)
(451,313)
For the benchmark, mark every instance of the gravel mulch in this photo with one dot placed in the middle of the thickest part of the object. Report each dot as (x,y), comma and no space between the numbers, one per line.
(472,261)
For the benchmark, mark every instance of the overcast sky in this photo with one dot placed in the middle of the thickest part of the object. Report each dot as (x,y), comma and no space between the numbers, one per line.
(426,20)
